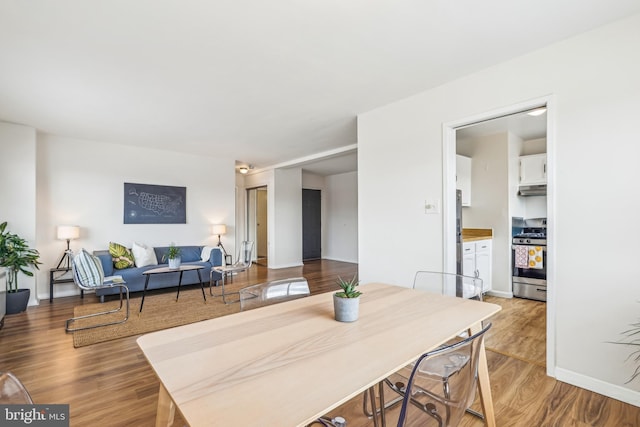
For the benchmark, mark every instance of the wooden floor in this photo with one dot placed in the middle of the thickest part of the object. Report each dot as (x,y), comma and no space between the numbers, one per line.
(111,384)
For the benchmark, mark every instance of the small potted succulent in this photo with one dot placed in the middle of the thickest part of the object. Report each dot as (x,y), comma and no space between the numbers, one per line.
(173,256)
(346,303)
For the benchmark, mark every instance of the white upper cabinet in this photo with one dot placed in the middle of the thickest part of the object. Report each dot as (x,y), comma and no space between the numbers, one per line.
(463,178)
(533,169)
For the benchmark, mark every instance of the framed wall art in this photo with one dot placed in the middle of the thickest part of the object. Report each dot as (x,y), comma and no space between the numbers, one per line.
(154,204)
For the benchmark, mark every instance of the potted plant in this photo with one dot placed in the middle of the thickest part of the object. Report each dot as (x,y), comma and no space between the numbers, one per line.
(16,257)
(346,303)
(173,256)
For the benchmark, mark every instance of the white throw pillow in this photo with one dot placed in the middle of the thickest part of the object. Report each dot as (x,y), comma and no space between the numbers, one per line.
(143,255)
(206,252)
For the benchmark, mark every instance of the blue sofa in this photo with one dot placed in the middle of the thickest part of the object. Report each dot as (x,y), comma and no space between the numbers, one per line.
(135,279)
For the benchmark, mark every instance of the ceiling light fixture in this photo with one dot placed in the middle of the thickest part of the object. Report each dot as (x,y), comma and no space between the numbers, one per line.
(244,169)
(537,112)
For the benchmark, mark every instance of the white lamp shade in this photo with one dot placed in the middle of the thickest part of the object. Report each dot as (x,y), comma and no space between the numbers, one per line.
(68,232)
(219,229)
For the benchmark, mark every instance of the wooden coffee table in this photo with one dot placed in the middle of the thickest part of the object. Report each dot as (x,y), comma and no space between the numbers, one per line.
(164,270)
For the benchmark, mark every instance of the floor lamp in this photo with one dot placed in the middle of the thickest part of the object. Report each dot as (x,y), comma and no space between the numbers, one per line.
(219,229)
(68,233)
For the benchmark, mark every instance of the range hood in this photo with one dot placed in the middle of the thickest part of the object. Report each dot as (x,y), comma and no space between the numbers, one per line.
(532,190)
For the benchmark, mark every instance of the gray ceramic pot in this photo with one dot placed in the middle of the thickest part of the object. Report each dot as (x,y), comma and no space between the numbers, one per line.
(346,309)
(17,301)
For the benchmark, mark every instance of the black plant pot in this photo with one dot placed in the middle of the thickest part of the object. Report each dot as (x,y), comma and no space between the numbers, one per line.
(17,301)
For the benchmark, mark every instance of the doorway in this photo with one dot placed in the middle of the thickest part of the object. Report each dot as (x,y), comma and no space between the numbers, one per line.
(257,223)
(449,186)
(311,224)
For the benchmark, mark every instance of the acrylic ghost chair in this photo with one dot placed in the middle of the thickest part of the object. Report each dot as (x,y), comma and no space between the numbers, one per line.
(440,384)
(88,275)
(449,284)
(440,283)
(273,292)
(12,391)
(243,263)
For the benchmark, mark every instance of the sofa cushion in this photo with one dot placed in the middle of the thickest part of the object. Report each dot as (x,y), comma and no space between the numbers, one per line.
(187,253)
(105,259)
(88,269)
(143,255)
(122,257)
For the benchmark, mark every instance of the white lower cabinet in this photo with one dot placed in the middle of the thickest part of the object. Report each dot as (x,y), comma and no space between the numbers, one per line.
(476,261)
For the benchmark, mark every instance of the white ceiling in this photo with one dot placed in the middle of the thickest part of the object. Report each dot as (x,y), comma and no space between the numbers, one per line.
(262,82)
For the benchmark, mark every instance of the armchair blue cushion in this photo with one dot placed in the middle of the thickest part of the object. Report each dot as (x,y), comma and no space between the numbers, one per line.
(135,279)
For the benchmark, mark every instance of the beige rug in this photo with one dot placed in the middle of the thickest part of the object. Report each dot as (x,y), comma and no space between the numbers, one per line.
(161,311)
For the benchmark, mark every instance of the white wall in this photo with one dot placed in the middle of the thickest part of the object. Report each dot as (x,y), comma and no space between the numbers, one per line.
(593,81)
(517,204)
(18,190)
(342,219)
(490,203)
(82,182)
(287,235)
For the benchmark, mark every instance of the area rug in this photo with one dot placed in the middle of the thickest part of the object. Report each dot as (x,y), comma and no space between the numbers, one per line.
(160,311)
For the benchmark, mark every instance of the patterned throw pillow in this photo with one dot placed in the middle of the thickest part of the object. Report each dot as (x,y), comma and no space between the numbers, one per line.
(88,269)
(122,257)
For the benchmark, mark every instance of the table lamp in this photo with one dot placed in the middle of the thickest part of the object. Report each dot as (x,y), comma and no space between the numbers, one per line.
(219,229)
(68,233)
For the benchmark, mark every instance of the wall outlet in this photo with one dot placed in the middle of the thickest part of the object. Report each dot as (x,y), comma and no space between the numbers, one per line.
(432,206)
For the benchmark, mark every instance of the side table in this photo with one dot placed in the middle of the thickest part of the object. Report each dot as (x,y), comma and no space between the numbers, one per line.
(65,277)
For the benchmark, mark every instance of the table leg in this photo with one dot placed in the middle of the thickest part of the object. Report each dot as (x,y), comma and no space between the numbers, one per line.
(50,287)
(484,385)
(166,408)
(179,283)
(144,291)
(201,286)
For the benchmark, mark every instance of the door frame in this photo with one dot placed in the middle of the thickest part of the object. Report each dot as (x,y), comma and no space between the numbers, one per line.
(449,202)
(251,218)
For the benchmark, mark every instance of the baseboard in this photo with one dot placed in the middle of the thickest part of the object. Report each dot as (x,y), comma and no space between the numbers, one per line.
(500,294)
(351,261)
(277,267)
(597,386)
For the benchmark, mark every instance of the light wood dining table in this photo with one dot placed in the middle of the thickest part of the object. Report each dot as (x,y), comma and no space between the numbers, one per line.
(289,363)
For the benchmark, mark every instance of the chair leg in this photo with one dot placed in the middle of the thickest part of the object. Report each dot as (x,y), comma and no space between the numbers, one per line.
(223,294)
(68,327)
(387,405)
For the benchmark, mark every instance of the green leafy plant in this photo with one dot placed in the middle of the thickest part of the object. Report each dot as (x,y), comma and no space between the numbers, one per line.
(172,253)
(632,338)
(348,287)
(16,256)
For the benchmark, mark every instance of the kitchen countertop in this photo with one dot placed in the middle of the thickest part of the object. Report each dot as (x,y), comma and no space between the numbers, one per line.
(474,234)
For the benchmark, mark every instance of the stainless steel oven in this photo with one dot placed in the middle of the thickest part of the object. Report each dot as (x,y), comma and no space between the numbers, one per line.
(529,278)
